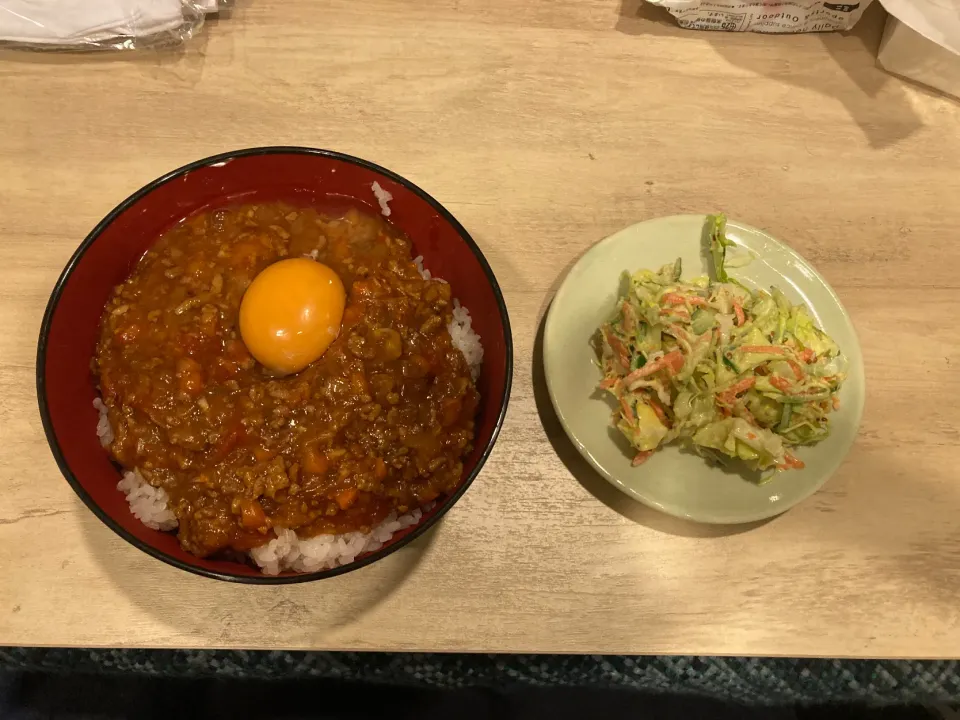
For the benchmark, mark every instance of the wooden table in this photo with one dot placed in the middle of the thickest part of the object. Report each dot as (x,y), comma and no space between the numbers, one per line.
(543,125)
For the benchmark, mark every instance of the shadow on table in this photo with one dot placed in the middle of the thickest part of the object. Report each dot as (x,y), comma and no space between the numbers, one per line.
(207,608)
(875,100)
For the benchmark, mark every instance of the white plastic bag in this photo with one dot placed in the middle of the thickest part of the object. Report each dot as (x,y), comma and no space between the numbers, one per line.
(100,24)
(766,16)
(936,20)
(921,42)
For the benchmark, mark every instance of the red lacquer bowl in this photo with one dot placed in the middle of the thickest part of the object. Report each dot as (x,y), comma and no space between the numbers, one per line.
(70,330)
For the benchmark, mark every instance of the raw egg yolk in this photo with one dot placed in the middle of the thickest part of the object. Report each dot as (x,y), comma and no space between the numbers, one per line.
(291,313)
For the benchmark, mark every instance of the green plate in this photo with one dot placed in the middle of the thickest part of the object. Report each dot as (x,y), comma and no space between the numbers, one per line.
(674,479)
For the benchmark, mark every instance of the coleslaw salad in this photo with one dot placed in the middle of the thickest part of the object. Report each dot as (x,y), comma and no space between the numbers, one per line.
(740,375)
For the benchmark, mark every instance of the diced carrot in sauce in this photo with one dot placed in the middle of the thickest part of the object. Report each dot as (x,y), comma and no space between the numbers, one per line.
(352,314)
(237,351)
(359,382)
(229,441)
(261,453)
(314,460)
(190,376)
(251,514)
(363,288)
(450,410)
(245,254)
(346,498)
(128,334)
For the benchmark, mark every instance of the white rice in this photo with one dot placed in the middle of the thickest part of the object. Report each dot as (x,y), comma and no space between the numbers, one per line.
(383,197)
(104,431)
(321,552)
(461,331)
(150,505)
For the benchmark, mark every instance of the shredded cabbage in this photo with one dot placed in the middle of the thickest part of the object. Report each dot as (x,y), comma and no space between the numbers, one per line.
(732,371)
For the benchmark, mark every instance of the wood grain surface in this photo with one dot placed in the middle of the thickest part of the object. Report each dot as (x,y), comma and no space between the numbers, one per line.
(543,125)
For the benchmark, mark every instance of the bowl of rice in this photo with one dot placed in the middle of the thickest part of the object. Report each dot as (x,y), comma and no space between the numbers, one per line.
(92,427)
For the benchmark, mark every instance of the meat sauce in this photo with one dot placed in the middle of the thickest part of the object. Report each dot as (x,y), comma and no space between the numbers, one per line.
(381,422)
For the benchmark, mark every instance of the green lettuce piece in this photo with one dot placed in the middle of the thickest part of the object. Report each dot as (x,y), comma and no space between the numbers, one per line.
(811,336)
(716,225)
(758,448)
(647,432)
(694,409)
(766,317)
(767,411)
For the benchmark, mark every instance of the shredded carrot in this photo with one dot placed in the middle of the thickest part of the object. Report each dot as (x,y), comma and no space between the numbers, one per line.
(836,403)
(765,349)
(619,349)
(741,318)
(673,361)
(608,382)
(729,396)
(743,385)
(797,370)
(674,299)
(679,312)
(792,463)
(808,355)
(780,383)
(629,320)
(658,409)
(641,457)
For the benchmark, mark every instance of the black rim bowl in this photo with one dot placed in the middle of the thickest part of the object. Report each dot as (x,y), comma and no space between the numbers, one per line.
(418,530)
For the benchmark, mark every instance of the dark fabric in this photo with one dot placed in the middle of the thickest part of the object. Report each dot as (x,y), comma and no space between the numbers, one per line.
(746,680)
(76,697)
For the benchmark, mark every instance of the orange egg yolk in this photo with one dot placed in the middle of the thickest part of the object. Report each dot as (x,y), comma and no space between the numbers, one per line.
(291,313)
